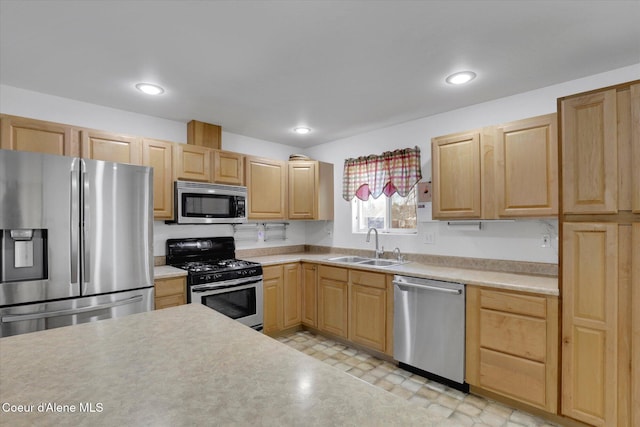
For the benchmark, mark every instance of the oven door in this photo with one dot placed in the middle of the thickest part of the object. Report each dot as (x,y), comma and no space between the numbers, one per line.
(239,299)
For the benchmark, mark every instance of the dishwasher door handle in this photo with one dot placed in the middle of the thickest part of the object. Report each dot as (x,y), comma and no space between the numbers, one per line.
(428,288)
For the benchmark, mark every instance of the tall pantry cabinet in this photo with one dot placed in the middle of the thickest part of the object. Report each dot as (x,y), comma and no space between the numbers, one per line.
(600,257)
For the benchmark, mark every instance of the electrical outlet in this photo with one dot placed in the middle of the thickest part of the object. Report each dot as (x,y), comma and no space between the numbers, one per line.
(430,238)
(546,241)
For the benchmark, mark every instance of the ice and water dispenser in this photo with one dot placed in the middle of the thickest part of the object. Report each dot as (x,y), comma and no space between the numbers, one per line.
(23,255)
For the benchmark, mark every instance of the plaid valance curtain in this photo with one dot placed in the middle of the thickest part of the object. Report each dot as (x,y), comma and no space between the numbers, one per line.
(391,172)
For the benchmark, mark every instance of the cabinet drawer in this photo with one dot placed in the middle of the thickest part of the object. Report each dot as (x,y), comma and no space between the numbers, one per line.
(512,303)
(169,301)
(376,280)
(521,378)
(167,287)
(513,334)
(272,272)
(334,273)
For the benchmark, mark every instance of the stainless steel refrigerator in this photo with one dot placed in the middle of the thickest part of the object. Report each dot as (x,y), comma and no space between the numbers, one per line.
(76,241)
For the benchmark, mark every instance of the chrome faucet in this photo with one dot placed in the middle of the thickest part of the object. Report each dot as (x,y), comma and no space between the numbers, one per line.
(399,256)
(380,251)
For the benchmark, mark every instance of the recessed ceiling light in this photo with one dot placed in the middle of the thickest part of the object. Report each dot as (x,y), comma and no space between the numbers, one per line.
(302,130)
(149,89)
(461,78)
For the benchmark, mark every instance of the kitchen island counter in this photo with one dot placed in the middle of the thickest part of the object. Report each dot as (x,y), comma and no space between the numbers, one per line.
(186,365)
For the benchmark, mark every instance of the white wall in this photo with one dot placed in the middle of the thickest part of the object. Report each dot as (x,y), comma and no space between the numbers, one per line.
(25,103)
(520,240)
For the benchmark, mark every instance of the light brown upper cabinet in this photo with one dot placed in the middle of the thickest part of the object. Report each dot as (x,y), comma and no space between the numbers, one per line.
(192,163)
(310,190)
(590,153)
(635,149)
(110,147)
(228,167)
(158,155)
(526,154)
(22,134)
(266,182)
(504,171)
(204,134)
(456,176)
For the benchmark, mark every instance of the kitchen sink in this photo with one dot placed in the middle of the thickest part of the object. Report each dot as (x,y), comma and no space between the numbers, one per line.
(367,261)
(349,259)
(380,262)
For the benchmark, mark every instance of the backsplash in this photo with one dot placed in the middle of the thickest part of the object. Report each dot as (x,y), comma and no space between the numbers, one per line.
(517,267)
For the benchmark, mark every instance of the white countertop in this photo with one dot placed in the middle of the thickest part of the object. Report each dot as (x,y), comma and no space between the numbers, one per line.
(543,285)
(186,365)
(167,272)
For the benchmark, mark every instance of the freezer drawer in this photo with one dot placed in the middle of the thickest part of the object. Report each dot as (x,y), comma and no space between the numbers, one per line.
(48,315)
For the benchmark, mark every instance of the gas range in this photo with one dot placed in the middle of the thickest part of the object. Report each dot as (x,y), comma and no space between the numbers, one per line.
(221,270)
(209,259)
(216,279)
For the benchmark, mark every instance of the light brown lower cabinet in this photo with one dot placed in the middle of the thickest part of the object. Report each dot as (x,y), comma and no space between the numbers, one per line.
(170,292)
(368,307)
(333,300)
(600,336)
(291,295)
(309,294)
(272,298)
(282,297)
(512,345)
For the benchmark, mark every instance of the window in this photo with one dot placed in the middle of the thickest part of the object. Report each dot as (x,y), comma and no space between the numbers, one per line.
(395,214)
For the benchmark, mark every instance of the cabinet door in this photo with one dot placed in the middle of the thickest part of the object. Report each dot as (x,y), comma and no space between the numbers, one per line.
(265,179)
(635,326)
(590,153)
(158,155)
(309,295)
(367,323)
(292,296)
(170,292)
(272,297)
(192,163)
(635,147)
(333,300)
(22,134)
(527,167)
(228,167)
(303,190)
(456,176)
(111,147)
(204,134)
(590,320)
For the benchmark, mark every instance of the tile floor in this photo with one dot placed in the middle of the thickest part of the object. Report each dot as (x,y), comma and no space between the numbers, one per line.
(447,406)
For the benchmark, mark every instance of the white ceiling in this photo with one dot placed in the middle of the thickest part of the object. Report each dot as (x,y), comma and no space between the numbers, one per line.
(259,68)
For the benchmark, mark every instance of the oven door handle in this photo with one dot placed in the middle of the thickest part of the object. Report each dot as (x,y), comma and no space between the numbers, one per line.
(225,285)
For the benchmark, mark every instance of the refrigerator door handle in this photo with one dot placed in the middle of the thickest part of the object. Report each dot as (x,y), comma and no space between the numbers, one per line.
(86,226)
(75,221)
(68,312)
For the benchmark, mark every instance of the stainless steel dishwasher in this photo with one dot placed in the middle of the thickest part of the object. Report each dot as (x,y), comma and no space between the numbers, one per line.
(429,328)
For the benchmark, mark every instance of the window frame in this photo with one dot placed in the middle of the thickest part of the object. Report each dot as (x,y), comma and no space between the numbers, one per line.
(356,210)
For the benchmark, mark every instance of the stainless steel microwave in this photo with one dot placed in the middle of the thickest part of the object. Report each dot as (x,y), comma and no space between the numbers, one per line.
(204,203)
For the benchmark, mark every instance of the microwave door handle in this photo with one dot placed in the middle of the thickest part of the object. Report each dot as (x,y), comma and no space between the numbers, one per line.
(74,219)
